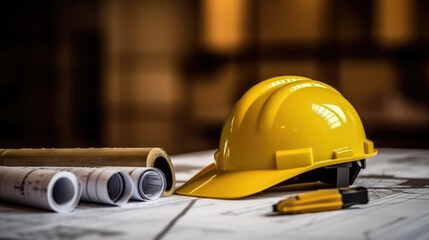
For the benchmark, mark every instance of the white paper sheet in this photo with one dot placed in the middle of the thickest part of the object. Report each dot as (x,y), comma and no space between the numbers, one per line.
(398,209)
(57,191)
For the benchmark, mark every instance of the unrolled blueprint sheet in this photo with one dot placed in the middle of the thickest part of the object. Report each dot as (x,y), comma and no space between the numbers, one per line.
(398,182)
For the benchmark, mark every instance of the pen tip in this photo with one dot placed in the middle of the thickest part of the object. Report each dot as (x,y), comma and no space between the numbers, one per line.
(275,208)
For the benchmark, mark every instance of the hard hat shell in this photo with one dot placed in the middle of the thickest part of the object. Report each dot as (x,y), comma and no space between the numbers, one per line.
(280,128)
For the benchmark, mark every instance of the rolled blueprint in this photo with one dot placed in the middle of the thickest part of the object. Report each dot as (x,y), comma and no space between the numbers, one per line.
(148,182)
(93,157)
(58,191)
(101,185)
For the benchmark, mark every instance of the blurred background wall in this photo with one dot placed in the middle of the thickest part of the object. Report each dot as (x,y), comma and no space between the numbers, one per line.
(166,73)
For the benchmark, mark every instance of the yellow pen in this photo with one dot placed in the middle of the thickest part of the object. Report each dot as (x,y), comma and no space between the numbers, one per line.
(322,200)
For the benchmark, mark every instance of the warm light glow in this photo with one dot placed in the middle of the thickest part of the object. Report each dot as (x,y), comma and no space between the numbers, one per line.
(224,24)
(394,21)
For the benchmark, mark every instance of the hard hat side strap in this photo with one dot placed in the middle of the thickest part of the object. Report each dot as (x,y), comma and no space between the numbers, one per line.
(340,175)
(343,173)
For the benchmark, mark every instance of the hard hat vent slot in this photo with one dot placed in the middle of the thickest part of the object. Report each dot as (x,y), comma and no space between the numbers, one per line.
(296,158)
(368,146)
(343,152)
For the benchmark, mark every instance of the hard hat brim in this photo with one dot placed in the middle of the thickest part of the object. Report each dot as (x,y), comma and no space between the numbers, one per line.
(233,184)
(211,183)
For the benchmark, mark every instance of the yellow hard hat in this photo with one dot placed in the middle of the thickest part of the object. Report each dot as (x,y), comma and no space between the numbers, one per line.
(284,129)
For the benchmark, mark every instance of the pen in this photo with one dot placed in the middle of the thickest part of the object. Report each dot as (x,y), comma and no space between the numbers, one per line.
(322,200)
